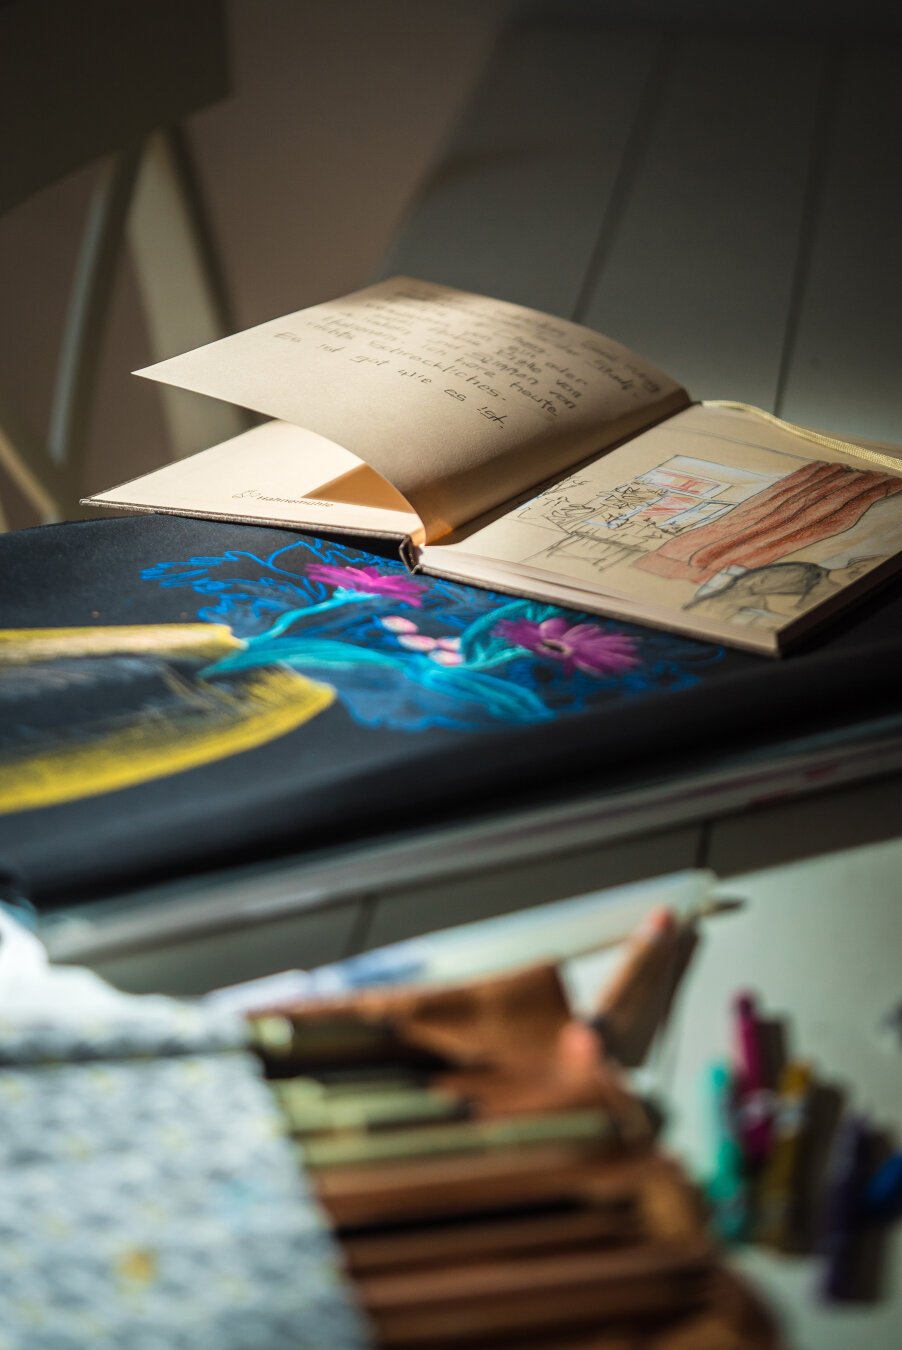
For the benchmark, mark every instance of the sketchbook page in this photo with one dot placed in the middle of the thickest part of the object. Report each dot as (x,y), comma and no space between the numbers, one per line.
(277,473)
(729,525)
(546,589)
(461,402)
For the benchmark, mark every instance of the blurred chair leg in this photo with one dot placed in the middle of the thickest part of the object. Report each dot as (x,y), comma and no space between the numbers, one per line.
(180,283)
(26,463)
(89,303)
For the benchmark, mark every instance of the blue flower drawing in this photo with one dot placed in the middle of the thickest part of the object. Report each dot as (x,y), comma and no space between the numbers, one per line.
(409,652)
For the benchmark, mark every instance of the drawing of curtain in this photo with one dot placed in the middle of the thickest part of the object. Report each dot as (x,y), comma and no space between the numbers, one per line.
(812,503)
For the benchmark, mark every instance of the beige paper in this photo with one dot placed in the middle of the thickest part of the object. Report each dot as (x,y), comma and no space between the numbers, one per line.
(459,401)
(275,473)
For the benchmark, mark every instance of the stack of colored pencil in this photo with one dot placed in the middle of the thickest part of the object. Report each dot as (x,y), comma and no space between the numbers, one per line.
(789,1169)
(489,1190)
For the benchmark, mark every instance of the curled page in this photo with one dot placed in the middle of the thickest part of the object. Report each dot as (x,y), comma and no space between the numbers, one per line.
(459,401)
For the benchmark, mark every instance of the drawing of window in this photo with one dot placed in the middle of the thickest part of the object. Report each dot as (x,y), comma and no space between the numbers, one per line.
(816,501)
(682,512)
(675,481)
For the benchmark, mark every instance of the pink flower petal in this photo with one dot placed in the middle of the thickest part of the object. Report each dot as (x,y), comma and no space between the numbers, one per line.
(583,632)
(449,644)
(417,642)
(368,581)
(605,646)
(395,624)
(445,658)
(553,628)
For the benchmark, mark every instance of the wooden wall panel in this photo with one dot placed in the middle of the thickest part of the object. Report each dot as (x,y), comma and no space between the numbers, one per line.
(845,363)
(515,203)
(699,271)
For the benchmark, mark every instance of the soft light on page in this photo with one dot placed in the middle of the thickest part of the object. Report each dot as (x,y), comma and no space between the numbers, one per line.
(275,472)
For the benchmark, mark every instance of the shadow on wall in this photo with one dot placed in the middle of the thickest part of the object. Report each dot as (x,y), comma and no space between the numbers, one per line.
(306,169)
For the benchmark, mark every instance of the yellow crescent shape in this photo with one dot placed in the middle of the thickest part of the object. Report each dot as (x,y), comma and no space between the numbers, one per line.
(208,721)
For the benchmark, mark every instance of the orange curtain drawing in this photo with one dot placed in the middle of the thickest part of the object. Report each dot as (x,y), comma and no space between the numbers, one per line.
(812,503)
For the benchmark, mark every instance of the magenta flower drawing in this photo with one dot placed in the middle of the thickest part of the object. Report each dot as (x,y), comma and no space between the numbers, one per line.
(582,646)
(369,581)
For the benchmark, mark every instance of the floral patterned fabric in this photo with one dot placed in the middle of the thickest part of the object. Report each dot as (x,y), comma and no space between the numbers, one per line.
(148,1198)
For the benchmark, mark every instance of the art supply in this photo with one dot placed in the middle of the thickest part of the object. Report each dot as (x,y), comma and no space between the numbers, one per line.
(595,1128)
(847,1178)
(554,1293)
(882,1200)
(312,1107)
(547,1228)
(777,1190)
(633,1003)
(562,931)
(292,1046)
(507,1186)
(753,1102)
(726,1188)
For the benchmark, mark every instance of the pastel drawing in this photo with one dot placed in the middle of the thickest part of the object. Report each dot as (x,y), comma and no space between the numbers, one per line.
(411,653)
(157,716)
(275,641)
(813,503)
(692,520)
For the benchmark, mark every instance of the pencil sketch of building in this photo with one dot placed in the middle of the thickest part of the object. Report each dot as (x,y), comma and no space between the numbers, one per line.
(637,517)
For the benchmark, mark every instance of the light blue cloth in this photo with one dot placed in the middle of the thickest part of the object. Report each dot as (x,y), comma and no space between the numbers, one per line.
(149,1199)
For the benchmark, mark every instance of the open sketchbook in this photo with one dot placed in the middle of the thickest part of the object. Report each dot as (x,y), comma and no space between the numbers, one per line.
(513,450)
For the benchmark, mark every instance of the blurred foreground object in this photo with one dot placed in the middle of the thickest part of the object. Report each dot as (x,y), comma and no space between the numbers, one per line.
(147,1196)
(491,1176)
(491,1179)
